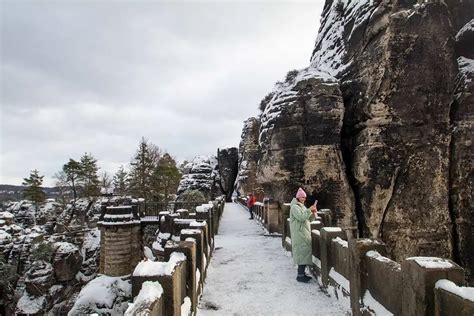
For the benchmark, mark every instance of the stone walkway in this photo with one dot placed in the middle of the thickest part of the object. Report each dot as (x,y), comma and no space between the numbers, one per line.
(251,274)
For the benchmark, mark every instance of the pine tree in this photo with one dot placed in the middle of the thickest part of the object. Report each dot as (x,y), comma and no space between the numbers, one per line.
(142,167)
(72,170)
(166,177)
(120,182)
(88,177)
(33,191)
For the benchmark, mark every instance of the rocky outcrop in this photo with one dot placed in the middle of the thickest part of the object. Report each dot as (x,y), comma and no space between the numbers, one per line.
(300,144)
(39,278)
(461,150)
(249,152)
(227,161)
(67,261)
(372,125)
(201,174)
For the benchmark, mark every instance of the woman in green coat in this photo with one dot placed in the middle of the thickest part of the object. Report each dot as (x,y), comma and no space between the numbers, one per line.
(300,231)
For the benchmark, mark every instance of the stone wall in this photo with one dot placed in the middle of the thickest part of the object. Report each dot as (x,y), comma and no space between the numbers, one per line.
(359,273)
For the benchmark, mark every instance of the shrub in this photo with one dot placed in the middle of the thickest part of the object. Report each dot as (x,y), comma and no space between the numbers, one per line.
(265,101)
(42,251)
(191,196)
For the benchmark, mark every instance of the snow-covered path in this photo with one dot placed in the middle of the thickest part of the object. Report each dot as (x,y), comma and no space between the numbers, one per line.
(251,274)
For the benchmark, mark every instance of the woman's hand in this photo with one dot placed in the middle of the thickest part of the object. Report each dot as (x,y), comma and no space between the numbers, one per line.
(313,209)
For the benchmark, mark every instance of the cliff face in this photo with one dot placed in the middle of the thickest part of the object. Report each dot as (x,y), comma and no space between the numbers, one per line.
(379,126)
(246,181)
(227,159)
(300,144)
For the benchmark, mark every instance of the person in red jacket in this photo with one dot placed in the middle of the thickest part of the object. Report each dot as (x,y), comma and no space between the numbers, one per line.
(251,203)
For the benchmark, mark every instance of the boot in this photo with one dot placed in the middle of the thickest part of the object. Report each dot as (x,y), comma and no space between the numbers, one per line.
(304,278)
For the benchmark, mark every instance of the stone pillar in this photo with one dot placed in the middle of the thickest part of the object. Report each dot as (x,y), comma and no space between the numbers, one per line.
(316,225)
(326,236)
(285,227)
(205,246)
(120,240)
(197,235)
(326,217)
(358,269)
(275,217)
(172,287)
(189,250)
(419,275)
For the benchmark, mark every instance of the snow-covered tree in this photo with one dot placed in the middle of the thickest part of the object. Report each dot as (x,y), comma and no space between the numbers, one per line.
(121,182)
(166,177)
(142,168)
(72,170)
(88,176)
(33,191)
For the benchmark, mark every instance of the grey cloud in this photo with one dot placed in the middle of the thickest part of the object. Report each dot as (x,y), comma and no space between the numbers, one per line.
(96,76)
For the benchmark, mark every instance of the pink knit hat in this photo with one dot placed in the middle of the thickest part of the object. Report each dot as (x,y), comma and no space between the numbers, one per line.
(300,194)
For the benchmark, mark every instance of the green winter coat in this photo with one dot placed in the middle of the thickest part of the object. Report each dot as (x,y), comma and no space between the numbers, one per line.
(300,231)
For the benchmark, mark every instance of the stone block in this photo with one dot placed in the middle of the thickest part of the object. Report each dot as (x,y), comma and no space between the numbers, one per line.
(275,217)
(419,275)
(198,236)
(358,269)
(326,217)
(172,288)
(448,303)
(325,241)
(384,281)
(189,250)
(285,209)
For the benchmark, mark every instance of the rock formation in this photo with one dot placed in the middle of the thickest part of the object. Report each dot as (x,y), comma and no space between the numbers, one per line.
(201,174)
(227,161)
(300,143)
(211,175)
(246,181)
(379,126)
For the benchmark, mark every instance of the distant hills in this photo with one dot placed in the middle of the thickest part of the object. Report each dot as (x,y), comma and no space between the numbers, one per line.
(10,192)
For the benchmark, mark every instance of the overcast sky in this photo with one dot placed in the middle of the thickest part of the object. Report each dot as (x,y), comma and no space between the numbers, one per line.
(96,76)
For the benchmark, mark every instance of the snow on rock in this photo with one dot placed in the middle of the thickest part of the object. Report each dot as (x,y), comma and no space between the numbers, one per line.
(148,253)
(29,304)
(39,278)
(90,252)
(149,293)
(339,21)
(103,295)
(466,293)
(373,307)
(466,69)
(200,174)
(186,306)
(284,95)
(153,268)
(67,261)
(432,262)
(466,29)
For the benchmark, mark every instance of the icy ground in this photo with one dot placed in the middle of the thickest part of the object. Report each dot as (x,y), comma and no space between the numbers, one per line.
(251,274)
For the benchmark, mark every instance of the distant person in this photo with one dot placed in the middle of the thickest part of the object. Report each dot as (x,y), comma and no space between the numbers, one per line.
(300,231)
(251,200)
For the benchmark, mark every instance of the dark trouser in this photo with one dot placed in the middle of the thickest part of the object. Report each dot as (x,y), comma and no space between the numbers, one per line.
(251,211)
(301,268)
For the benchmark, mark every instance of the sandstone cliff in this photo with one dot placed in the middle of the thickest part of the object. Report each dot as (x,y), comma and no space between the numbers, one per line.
(379,126)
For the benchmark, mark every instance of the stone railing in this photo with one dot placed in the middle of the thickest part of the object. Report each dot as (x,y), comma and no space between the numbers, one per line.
(268,213)
(187,251)
(358,273)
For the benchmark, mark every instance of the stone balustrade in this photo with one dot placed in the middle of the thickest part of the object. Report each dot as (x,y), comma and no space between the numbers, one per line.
(358,272)
(187,254)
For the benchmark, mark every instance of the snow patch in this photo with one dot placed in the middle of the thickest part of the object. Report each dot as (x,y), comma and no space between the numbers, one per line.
(152,268)
(149,293)
(466,293)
